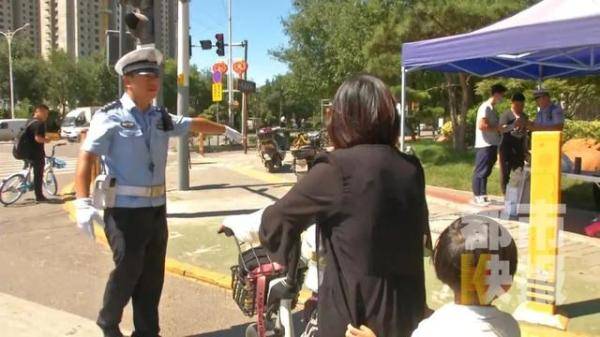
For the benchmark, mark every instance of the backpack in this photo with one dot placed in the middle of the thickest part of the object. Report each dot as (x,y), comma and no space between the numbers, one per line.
(21,146)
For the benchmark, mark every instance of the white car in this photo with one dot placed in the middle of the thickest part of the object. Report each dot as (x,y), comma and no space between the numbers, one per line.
(75,122)
(10,128)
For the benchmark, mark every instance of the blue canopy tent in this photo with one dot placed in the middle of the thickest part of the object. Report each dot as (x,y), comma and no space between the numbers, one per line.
(554,38)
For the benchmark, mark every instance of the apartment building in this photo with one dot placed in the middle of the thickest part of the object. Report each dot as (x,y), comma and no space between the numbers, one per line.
(79,26)
(16,13)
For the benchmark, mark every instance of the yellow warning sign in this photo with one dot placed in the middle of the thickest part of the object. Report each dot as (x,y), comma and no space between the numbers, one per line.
(217,92)
(180,80)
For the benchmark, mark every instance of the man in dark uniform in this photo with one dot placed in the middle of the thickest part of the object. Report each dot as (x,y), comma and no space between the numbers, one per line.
(35,138)
(131,137)
(513,146)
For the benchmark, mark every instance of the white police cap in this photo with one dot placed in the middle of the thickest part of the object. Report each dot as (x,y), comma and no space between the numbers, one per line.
(140,61)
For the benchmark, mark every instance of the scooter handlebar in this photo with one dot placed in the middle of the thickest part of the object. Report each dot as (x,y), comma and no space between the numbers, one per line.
(225,230)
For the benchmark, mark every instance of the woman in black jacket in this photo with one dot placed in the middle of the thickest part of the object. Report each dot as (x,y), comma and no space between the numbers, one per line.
(368,200)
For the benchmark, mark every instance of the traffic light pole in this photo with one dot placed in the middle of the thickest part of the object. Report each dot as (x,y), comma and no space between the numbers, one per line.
(183,71)
(245,104)
(230,72)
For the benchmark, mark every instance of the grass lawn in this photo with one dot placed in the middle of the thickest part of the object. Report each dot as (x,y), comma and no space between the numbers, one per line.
(446,168)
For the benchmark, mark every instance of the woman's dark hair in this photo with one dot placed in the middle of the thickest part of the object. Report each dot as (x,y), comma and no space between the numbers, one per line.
(459,238)
(363,112)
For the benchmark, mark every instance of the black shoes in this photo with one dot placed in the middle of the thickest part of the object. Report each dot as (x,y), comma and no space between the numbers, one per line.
(112,332)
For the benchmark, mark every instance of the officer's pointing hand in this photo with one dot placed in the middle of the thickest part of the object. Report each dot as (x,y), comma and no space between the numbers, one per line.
(232,134)
(85,213)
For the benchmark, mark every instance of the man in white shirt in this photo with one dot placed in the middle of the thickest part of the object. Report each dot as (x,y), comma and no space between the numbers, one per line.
(487,139)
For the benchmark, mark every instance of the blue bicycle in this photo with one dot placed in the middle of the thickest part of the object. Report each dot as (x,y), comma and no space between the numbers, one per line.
(13,187)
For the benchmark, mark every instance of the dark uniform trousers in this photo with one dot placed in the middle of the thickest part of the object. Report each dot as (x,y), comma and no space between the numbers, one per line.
(138,240)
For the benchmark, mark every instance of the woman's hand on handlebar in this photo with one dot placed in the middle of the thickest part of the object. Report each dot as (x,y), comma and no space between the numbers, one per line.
(362,332)
(225,230)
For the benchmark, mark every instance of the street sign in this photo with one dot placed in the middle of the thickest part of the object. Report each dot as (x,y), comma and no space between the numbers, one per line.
(246,86)
(220,67)
(206,44)
(240,67)
(217,92)
(217,77)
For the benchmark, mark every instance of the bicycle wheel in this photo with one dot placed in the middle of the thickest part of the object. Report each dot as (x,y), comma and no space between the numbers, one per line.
(12,189)
(50,185)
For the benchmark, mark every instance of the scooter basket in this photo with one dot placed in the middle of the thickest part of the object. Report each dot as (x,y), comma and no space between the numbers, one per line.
(253,263)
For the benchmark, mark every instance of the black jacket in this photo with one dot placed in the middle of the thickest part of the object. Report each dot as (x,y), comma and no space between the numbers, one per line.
(369,202)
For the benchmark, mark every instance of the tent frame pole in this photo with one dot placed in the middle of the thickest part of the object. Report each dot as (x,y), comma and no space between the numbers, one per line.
(402,108)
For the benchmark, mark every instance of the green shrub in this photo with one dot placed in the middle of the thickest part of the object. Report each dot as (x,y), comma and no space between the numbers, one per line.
(470,128)
(581,129)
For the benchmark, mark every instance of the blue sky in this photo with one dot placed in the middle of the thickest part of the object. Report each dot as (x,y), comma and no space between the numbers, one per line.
(258,21)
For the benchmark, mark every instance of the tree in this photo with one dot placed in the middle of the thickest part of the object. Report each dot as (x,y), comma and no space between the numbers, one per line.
(200,88)
(326,39)
(62,88)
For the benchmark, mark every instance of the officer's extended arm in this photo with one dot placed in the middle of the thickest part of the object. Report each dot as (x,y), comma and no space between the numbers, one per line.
(83,174)
(206,126)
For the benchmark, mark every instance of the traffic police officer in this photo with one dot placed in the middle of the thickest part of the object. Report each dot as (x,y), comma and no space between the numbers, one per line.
(550,116)
(131,137)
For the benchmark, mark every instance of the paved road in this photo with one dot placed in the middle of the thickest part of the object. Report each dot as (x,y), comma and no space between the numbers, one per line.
(51,264)
(9,165)
(52,273)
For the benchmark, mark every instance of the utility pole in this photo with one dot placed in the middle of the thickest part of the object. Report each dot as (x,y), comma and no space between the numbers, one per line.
(245,103)
(230,69)
(9,36)
(122,47)
(183,71)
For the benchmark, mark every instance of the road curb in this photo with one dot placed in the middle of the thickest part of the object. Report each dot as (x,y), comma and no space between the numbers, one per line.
(172,265)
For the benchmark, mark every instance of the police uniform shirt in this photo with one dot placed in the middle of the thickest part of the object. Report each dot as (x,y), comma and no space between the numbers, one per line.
(133,146)
(552,115)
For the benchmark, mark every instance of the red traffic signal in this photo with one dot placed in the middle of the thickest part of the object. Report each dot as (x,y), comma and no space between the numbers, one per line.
(220,44)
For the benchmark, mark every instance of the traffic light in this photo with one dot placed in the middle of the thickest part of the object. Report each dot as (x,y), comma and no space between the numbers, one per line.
(206,44)
(220,44)
(140,21)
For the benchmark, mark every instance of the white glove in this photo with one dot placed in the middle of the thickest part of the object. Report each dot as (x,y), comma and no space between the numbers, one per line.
(85,214)
(245,227)
(233,134)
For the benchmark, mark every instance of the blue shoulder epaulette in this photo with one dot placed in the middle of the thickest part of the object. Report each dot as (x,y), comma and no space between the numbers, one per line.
(167,122)
(110,106)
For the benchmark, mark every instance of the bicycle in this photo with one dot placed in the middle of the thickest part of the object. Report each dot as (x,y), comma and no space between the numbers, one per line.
(13,187)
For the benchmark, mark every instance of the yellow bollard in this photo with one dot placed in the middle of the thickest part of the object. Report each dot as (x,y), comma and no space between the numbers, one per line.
(544,224)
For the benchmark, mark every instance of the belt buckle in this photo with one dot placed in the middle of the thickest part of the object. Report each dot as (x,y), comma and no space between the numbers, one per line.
(157,191)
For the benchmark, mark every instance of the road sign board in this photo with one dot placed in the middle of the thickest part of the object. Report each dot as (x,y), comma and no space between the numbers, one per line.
(217,92)
(217,77)
(240,67)
(246,86)
(220,67)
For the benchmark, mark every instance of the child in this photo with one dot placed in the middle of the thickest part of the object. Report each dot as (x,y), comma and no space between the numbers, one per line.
(470,246)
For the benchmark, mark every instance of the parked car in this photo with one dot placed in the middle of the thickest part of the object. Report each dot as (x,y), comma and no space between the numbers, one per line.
(75,122)
(10,128)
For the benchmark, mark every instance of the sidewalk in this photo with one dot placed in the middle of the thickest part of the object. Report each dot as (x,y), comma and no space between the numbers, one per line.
(233,183)
(17,317)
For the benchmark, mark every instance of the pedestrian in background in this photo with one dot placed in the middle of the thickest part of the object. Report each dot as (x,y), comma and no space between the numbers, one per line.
(35,138)
(487,139)
(514,137)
